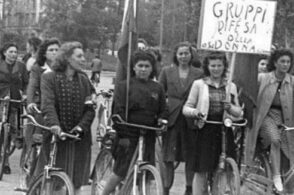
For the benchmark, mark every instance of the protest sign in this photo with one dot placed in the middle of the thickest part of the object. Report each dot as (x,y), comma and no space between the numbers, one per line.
(242,26)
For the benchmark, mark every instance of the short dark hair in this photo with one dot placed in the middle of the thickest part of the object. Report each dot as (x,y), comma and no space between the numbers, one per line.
(35,42)
(41,56)
(63,55)
(182,44)
(142,56)
(215,56)
(5,47)
(275,55)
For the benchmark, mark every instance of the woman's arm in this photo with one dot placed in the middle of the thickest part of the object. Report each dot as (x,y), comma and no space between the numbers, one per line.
(189,109)
(235,109)
(48,99)
(33,86)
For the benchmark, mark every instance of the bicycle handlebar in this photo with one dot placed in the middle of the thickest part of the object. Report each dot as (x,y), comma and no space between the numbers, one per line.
(286,128)
(12,100)
(117,119)
(62,135)
(229,123)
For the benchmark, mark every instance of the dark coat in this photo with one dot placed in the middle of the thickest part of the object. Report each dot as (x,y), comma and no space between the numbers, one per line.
(33,89)
(178,141)
(73,157)
(11,83)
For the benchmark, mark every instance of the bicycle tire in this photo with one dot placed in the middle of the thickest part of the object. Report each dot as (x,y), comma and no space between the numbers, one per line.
(149,182)
(3,149)
(227,181)
(261,166)
(101,172)
(47,186)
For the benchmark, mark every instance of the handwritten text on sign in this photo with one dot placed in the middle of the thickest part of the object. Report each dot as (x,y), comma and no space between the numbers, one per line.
(244,26)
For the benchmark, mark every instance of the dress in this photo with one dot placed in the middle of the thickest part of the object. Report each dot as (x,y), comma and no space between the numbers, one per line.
(63,104)
(146,106)
(178,141)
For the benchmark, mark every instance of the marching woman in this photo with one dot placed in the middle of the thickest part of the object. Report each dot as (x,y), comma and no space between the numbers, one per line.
(64,93)
(178,140)
(206,101)
(275,107)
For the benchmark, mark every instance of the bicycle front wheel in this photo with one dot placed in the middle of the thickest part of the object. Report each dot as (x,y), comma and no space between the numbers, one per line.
(58,184)
(102,170)
(3,149)
(148,182)
(227,181)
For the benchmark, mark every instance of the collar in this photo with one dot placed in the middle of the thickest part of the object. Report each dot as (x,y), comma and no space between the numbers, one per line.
(273,78)
(208,81)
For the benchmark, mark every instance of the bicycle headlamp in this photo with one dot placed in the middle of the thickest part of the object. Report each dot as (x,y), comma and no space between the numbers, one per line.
(228,122)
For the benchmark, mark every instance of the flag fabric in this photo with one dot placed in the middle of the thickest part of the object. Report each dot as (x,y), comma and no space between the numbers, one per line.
(128,31)
(245,77)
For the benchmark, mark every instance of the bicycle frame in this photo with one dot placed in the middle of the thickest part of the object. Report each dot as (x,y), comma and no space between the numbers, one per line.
(137,159)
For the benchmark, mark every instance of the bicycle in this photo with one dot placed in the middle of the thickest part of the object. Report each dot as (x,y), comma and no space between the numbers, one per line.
(53,180)
(6,147)
(142,177)
(226,179)
(103,114)
(268,187)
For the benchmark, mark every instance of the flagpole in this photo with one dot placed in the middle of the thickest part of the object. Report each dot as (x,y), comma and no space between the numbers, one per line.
(133,15)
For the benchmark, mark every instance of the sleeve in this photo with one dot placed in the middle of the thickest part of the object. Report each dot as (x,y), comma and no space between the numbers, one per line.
(25,78)
(162,79)
(34,82)
(236,109)
(163,106)
(89,111)
(48,100)
(119,101)
(189,107)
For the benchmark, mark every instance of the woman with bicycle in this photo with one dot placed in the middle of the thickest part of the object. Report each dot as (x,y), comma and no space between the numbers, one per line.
(275,107)
(146,107)
(178,140)
(207,101)
(44,60)
(13,82)
(65,92)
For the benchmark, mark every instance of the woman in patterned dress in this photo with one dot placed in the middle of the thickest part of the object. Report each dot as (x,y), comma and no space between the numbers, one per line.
(64,91)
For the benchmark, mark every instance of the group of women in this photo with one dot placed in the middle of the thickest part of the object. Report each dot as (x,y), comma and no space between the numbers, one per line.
(58,87)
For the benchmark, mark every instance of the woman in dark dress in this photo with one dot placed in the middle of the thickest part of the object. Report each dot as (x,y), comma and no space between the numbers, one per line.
(207,101)
(13,82)
(178,140)
(64,91)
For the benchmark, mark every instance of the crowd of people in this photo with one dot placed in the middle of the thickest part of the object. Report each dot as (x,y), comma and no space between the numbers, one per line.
(186,93)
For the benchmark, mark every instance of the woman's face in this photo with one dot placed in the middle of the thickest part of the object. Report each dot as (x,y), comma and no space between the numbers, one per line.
(216,68)
(262,65)
(142,69)
(51,52)
(183,55)
(283,64)
(77,59)
(10,55)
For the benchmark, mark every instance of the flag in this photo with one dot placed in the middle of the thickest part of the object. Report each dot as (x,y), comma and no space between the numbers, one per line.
(245,77)
(128,36)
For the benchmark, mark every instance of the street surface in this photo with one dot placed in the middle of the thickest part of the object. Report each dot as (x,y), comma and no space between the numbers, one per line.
(9,182)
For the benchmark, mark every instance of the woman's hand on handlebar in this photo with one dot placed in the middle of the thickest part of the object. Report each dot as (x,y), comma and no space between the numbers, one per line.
(77,130)
(32,108)
(55,129)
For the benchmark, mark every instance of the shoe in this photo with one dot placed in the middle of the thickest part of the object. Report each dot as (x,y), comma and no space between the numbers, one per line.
(278,183)
(7,170)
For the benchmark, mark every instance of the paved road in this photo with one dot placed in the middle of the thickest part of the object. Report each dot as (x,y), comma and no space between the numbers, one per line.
(9,182)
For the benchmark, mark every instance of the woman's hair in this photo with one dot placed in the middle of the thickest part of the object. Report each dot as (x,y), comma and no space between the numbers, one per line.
(182,44)
(35,42)
(275,55)
(144,56)
(156,52)
(215,56)
(41,56)
(5,47)
(65,52)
